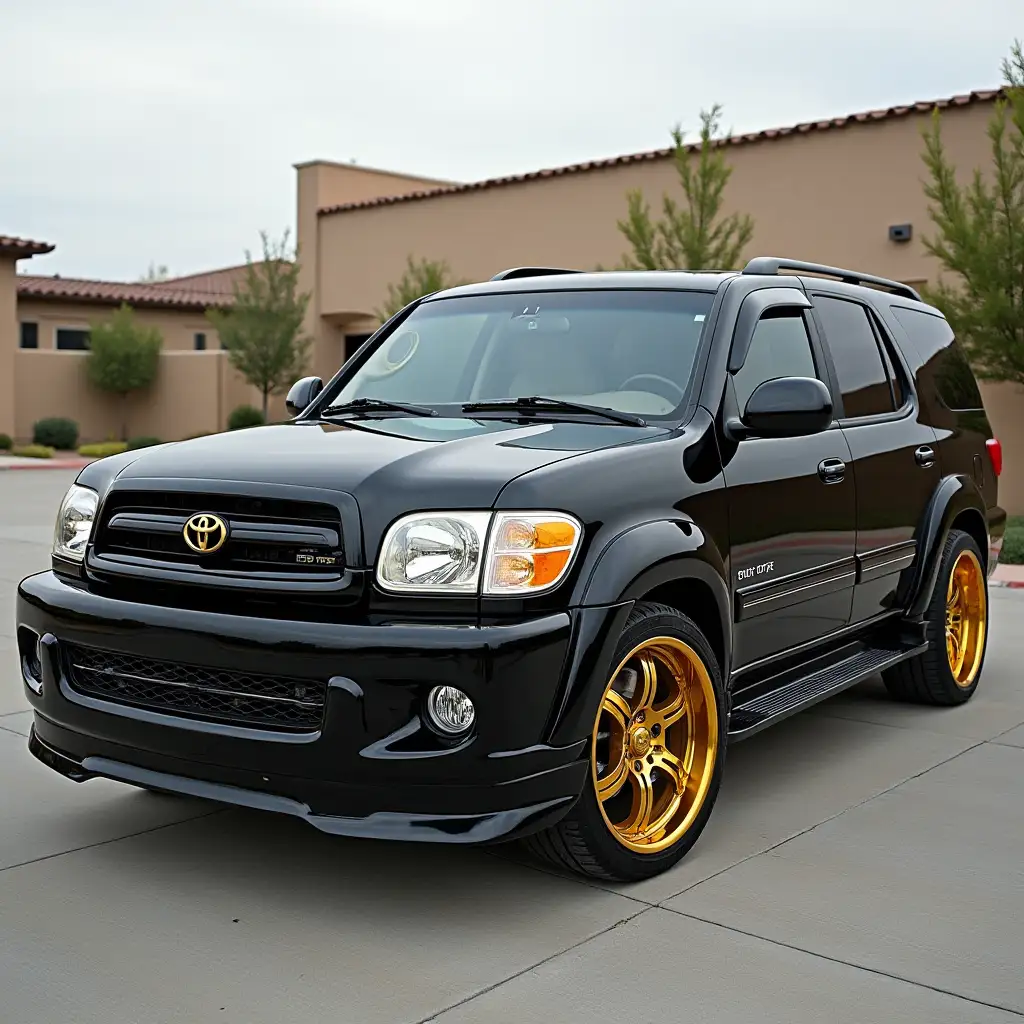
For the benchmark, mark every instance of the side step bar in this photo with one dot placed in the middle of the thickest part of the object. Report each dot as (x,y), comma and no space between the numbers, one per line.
(768,708)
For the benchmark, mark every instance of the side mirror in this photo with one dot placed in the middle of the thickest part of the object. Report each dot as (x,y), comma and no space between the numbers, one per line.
(788,407)
(301,393)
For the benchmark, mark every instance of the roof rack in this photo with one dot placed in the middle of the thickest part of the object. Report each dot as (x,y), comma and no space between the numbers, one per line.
(514,272)
(771,265)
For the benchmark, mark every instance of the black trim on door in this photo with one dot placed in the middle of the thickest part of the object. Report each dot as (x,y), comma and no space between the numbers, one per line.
(885,561)
(772,595)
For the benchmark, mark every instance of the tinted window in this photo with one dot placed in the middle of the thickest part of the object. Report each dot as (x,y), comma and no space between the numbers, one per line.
(67,338)
(199,340)
(863,377)
(627,350)
(944,364)
(779,348)
(29,335)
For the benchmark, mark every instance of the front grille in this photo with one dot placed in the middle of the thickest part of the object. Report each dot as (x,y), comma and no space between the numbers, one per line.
(265,535)
(260,701)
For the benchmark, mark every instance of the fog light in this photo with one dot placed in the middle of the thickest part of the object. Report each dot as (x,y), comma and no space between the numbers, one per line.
(450,710)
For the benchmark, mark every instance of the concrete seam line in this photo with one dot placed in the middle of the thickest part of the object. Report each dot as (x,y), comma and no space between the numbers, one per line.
(817,824)
(114,839)
(846,963)
(526,970)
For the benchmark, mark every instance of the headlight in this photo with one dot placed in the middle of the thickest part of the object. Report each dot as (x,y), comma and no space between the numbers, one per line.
(443,552)
(74,523)
(530,551)
(434,552)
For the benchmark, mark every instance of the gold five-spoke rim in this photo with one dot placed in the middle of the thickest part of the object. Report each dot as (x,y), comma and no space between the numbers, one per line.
(966,618)
(654,744)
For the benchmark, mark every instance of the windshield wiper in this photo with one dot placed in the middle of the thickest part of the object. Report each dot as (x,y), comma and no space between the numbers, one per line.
(378,405)
(538,403)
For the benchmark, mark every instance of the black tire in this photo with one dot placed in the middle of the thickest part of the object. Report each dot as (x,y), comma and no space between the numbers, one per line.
(928,678)
(583,842)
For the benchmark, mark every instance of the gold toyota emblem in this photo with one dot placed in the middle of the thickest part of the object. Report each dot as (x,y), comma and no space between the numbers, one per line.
(205,533)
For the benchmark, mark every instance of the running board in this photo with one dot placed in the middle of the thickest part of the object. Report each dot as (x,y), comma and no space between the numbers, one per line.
(768,708)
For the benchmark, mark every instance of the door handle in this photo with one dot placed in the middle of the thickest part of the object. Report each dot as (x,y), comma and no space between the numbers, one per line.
(832,471)
(924,456)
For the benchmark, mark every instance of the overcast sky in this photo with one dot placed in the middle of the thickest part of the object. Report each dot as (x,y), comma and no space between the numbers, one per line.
(137,132)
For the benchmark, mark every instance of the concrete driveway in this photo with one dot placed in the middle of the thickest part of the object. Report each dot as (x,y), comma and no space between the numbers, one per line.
(865,862)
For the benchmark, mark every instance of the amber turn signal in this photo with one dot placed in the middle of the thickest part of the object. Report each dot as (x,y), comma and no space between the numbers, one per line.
(530,551)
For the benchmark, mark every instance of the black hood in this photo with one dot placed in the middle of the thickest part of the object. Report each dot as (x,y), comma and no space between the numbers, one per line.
(391,466)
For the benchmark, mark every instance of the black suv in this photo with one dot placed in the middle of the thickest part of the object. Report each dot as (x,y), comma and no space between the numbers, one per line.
(528,562)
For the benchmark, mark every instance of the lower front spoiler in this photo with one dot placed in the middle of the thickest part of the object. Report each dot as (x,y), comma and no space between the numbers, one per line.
(495,826)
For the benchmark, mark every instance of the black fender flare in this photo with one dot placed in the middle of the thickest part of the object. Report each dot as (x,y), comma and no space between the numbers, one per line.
(632,564)
(650,554)
(954,495)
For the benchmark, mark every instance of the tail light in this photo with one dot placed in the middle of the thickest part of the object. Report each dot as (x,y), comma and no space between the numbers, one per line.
(995,454)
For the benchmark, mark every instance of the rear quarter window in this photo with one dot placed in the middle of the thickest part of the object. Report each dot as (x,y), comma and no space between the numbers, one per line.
(944,367)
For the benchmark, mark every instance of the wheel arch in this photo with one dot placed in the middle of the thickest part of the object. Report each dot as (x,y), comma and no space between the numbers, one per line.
(955,504)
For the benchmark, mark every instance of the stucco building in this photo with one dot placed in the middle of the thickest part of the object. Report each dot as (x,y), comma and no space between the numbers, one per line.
(827,191)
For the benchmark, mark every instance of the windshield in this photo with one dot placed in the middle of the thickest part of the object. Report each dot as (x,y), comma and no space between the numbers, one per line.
(632,351)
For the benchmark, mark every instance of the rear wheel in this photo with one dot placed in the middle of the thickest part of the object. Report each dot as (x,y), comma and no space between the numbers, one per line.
(957,628)
(656,754)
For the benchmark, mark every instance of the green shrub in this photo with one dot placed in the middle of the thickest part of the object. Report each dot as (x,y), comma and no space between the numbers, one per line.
(56,432)
(102,449)
(34,451)
(6,444)
(1013,542)
(142,442)
(245,416)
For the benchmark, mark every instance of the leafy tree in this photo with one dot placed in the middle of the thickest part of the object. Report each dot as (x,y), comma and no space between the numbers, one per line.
(691,235)
(979,236)
(262,331)
(124,356)
(421,277)
(155,274)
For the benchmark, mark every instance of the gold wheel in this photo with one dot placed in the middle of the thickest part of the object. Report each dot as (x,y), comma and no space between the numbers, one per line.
(966,618)
(654,744)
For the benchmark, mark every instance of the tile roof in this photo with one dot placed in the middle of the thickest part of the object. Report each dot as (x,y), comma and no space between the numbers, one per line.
(112,293)
(215,282)
(22,247)
(979,96)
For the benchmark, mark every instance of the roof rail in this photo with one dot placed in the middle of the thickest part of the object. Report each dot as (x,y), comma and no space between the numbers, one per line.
(773,264)
(514,272)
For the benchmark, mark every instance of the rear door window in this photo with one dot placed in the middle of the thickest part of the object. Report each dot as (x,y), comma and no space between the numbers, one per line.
(862,375)
(944,365)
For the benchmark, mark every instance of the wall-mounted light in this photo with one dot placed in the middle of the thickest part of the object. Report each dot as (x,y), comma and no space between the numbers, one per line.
(900,232)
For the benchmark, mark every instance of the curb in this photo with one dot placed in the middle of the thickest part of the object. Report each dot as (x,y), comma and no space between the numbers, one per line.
(1011,584)
(48,464)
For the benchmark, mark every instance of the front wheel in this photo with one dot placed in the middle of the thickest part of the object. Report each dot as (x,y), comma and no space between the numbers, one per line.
(657,753)
(957,630)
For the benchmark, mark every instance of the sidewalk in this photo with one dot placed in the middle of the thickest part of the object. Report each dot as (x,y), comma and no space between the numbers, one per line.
(1008,576)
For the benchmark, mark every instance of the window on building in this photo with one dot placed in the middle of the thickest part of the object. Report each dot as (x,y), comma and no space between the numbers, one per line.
(863,377)
(352,343)
(779,348)
(199,340)
(72,339)
(29,334)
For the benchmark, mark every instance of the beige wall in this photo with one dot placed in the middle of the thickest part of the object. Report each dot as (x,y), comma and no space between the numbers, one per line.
(321,184)
(828,196)
(178,327)
(1005,406)
(8,344)
(194,393)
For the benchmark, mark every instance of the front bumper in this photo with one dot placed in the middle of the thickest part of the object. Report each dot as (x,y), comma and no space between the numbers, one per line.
(373,768)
